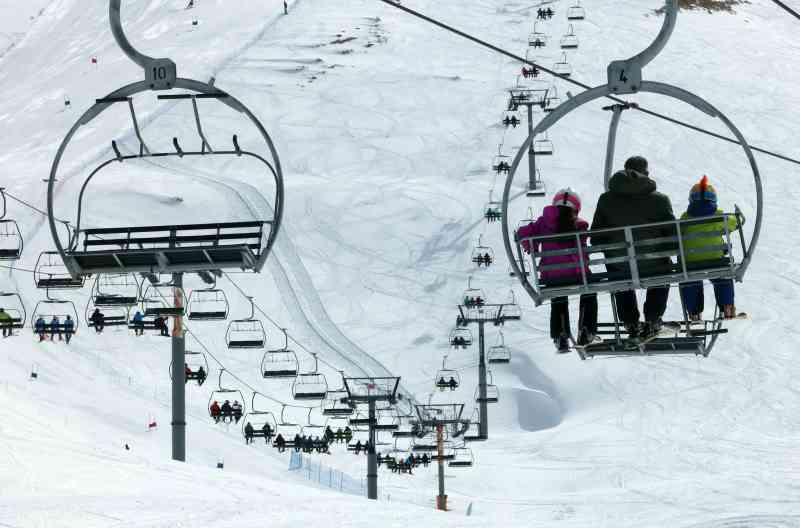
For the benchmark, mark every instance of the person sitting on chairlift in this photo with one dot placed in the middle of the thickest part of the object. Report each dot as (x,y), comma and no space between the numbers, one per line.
(298,442)
(226,411)
(425,460)
(452,383)
(442,384)
(280,443)
(216,411)
(348,433)
(69,328)
(248,433)
(358,447)
(703,202)
(160,324)
(138,323)
(6,323)
(41,328)
(267,429)
(633,199)
(562,217)
(98,320)
(549,13)
(236,411)
(55,328)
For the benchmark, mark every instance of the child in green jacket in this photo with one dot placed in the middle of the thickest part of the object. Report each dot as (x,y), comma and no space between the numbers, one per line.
(703,202)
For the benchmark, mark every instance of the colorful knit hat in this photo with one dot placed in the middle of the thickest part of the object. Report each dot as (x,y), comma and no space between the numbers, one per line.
(568,198)
(703,191)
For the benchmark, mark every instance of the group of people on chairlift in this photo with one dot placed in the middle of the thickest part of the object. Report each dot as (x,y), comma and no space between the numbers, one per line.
(64,329)
(227,412)
(632,199)
(159,323)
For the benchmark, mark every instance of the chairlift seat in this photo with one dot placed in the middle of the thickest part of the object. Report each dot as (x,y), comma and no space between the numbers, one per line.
(164,311)
(207,316)
(253,343)
(191,247)
(9,254)
(59,283)
(287,373)
(114,300)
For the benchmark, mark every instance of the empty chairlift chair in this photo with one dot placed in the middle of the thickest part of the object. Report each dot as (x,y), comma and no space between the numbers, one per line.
(280,363)
(163,299)
(543,146)
(208,304)
(246,333)
(115,289)
(552,100)
(51,274)
(499,352)
(241,239)
(463,458)
(570,40)
(310,385)
(562,67)
(576,12)
(11,242)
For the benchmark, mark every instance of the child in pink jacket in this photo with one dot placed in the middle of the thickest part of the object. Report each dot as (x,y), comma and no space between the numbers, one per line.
(562,217)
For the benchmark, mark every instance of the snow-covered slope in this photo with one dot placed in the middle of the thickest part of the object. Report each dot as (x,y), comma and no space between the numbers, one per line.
(386,129)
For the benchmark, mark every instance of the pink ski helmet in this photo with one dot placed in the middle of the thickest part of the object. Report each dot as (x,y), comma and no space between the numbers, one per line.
(568,198)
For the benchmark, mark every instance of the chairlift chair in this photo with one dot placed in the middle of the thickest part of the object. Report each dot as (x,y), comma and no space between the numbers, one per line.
(563,68)
(173,248)
(163,299)
(119,315)
(543,146)
(115,289)
(576,12)
(258,420)
(499,353)
(472,434)
(473,297)
(493,210)
(463,458)
(310,385)
(208,304)
(11,303)
(537,39)
(570,39)
(221,394)
(482,256)
(246,333)
(49,308)
(492,392)
(334,405)
(552,100)
(447,378)
(460,338)
(11,241)
(51,274)
(193,362)
(280,363)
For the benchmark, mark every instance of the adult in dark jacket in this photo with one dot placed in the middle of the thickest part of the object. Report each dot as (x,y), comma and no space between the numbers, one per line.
(632,199)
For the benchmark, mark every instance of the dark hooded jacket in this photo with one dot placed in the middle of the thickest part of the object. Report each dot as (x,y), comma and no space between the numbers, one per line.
(632,199)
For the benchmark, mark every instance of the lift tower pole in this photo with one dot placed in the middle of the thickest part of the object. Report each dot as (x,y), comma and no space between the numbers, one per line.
(437,417)
(496,314)
(535,185)
(370,391)
(178,376)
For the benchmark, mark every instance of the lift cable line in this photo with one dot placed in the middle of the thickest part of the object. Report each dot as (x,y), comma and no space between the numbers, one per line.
(585,86)
(787,8)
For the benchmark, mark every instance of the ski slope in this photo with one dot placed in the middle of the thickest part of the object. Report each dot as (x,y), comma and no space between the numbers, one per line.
(386,129)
